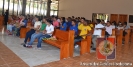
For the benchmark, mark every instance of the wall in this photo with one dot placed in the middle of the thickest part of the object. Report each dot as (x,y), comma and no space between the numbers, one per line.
(85,8)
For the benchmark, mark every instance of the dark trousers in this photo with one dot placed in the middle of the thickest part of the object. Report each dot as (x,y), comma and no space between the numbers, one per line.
(18,30)
(28,35)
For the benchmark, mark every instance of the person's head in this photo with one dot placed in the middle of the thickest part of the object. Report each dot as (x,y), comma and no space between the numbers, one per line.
(114,23)
(82,20)
(108,24)
(120,24)
(44,20)
(86,22)
(47,22)
(55,18)
(98,21)
(73,22)
(125,23)
(37,18)
(63,19)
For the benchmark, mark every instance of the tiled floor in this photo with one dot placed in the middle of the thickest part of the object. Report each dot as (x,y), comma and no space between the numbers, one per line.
(124,54)
(9,59)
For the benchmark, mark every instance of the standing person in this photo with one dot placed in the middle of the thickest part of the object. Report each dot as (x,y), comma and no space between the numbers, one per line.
(63,25)
(6,17)
(97,32)
(36,27)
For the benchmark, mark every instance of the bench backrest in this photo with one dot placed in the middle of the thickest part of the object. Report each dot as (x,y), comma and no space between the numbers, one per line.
(63,35)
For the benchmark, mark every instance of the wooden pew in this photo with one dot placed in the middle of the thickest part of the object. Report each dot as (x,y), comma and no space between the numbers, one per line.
(127,37)
(119,36)
(65,41)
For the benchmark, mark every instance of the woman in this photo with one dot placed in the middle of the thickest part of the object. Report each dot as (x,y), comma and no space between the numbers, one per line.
(47,33)
(34,29)
(63,25)
(38,33)
(55,22)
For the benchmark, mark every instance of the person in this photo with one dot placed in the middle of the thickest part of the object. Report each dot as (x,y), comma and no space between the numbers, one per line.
(74,27)
(97,32)
(113,24)
(125,26)
(23,24)
(108,28)
(80,24)
(63,25)
(38,33)
(47,33)
(69,23)
(84,31)
(55,22)
(120,26)
(10,26)
(6,17)
(32,30)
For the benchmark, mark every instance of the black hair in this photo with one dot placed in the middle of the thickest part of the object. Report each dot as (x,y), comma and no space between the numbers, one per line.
(63,20)
(38,18)
(83,18)
(74,21)
(125,23)
(98,20)
(56,18)
(87,21)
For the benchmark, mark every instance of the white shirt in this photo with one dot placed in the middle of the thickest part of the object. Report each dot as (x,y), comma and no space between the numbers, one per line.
(109,29)
(37,23)
(113,27)
(99,31)
(49,29)
(120,28)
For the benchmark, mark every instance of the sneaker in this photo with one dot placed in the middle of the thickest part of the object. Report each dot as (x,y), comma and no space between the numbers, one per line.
(25,45)
(76,46)
(29,46)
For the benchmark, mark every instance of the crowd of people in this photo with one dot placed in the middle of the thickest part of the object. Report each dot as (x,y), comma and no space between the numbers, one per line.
(43,27)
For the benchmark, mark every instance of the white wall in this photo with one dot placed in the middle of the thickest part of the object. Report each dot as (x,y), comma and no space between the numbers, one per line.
(85,8)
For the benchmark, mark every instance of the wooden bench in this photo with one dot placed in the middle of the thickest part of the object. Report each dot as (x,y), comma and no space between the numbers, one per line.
(119,36)
(65,41)
(126,38)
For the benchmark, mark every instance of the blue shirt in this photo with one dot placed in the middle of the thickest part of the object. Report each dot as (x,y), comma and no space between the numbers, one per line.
(64,27)
(69,24)
(25,22)
(75,28)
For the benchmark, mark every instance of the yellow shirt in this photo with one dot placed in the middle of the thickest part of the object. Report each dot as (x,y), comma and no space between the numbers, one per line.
(80,26)
(84,30)
(91,25)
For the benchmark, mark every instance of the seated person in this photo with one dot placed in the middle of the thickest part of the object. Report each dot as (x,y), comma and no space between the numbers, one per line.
(80,24)
(9,27)
(108,28)
(113,24)
(97,32)
(63,25)
(47,33)
(120,26)
(125,26)
(74,27)
(32,30)
(23,24)
(85,30)
(38,33)
(55,22)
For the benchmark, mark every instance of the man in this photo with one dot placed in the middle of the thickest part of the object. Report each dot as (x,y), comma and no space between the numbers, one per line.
(6,17)
(97,32)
